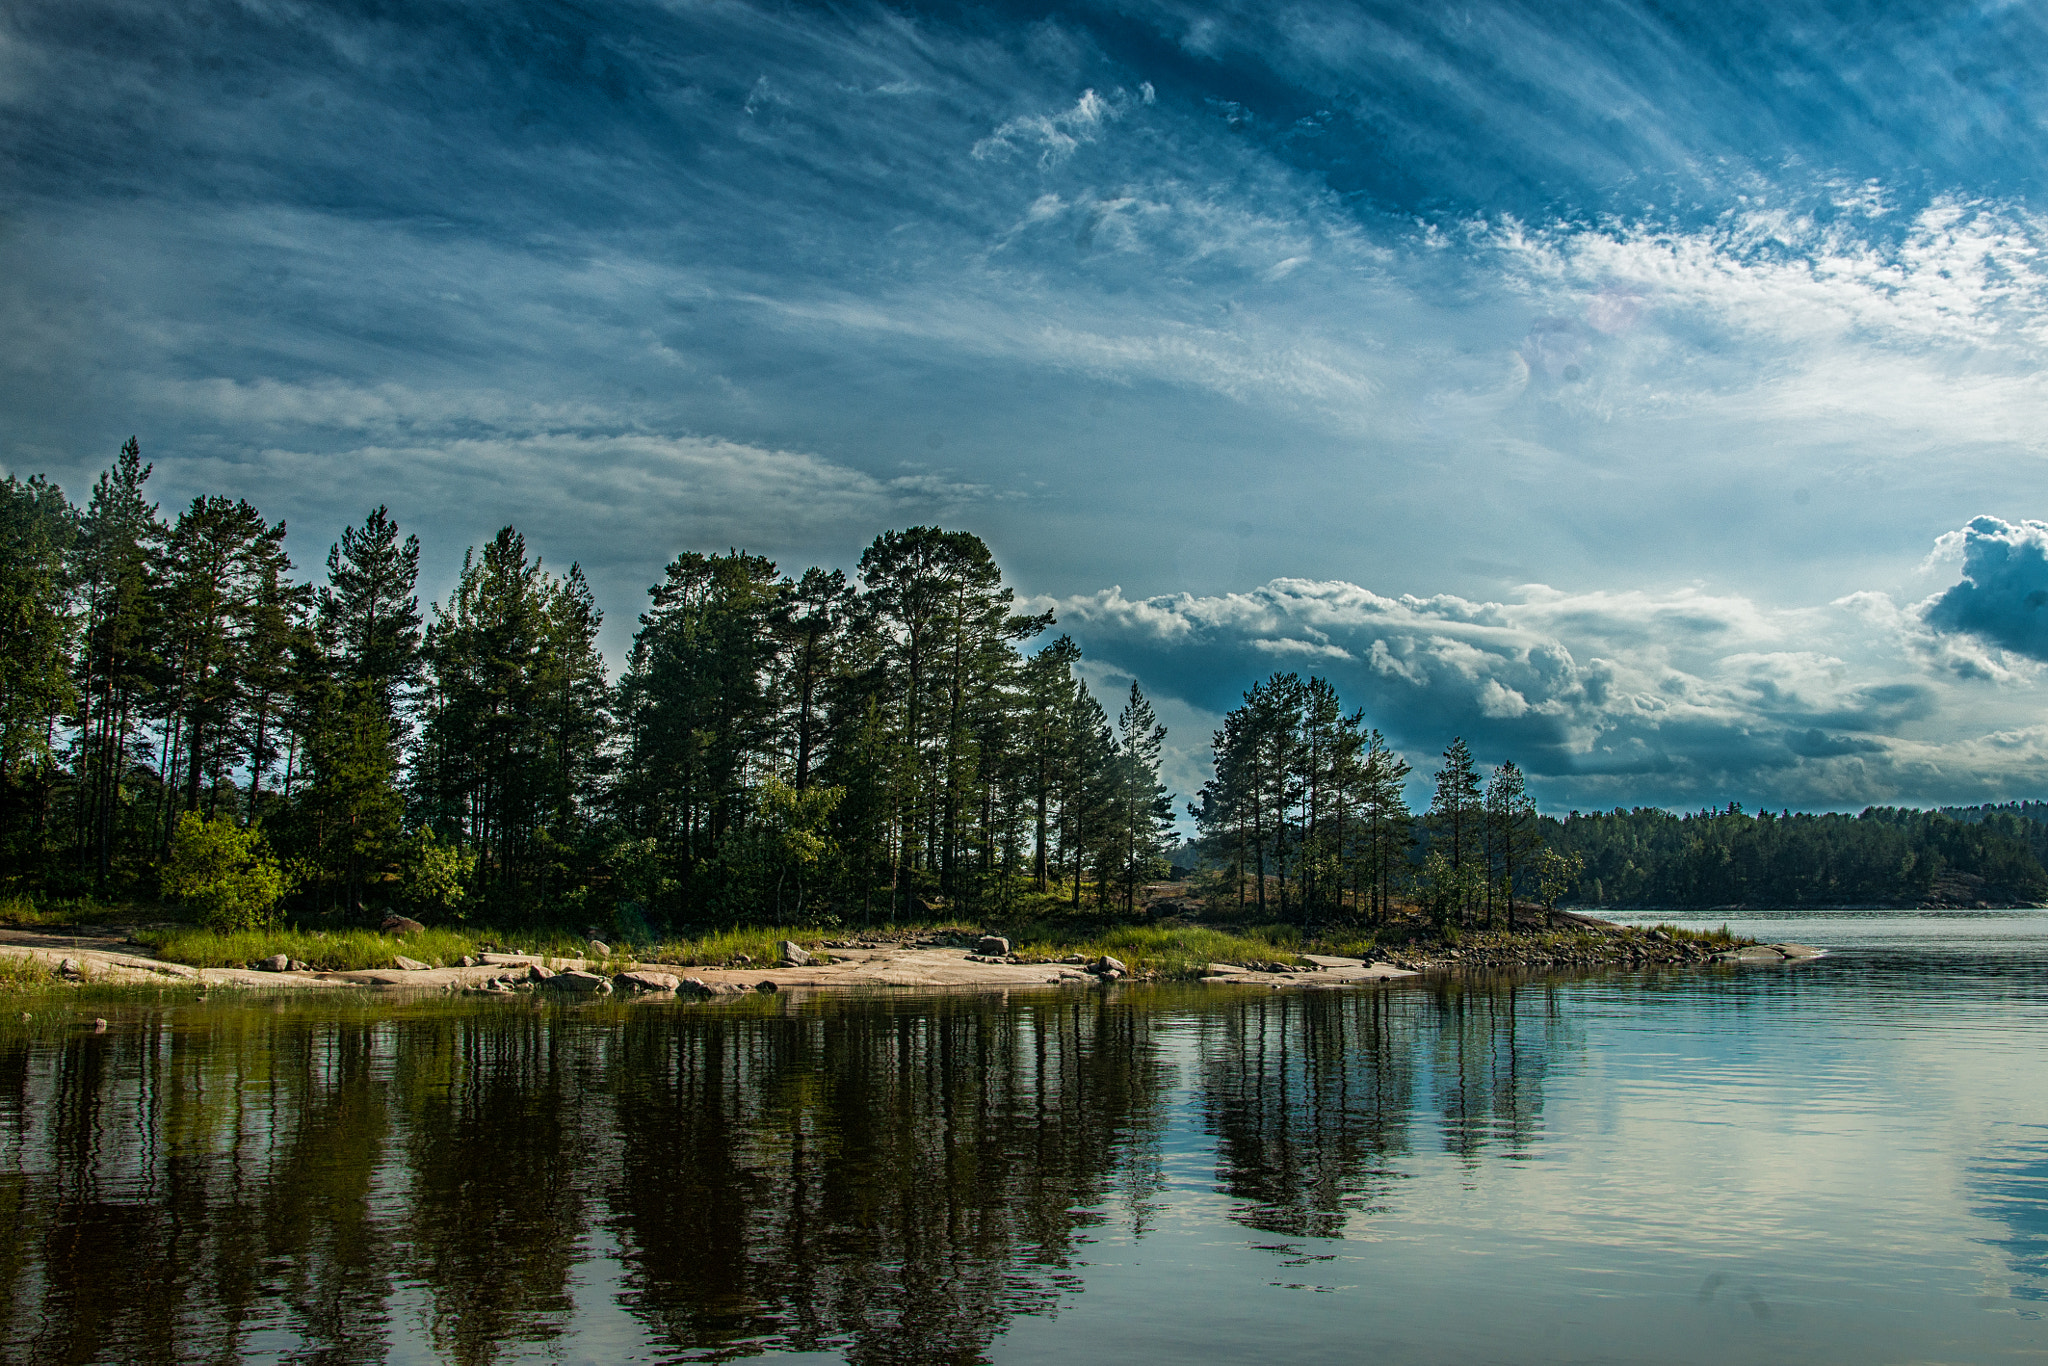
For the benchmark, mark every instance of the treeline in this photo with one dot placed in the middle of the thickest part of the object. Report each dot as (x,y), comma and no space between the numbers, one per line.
(1886,856)
(175,705)
(1308,820)
(1308,816)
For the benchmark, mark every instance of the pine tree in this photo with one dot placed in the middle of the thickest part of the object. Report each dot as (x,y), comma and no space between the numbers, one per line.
(117,663)
(1142,807)
(1456,814)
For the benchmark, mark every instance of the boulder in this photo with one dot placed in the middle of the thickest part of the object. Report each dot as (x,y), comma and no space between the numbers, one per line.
(693,986)
(301,965)
(468,961)
(992,946)
(766,986)
(401,925)
(278,962)
(575,979)
(99,1026)
(538,973)
(70,968)
(399,960)
(1106,966)
(644,980)
(600,949)
(794,956)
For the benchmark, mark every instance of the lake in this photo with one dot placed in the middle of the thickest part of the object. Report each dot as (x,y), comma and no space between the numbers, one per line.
(1839,1161)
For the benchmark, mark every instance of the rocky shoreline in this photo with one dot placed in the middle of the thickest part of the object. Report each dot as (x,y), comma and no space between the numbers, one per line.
(929,963)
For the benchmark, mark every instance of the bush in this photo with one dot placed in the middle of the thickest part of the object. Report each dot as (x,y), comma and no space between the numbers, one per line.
(434,875)
(224,872)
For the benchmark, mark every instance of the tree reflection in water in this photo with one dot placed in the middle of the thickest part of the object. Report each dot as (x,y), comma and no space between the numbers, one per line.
(892,1178)
(1311,1097)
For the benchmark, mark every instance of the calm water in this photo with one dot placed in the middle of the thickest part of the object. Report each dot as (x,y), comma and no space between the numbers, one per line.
(1845,1161)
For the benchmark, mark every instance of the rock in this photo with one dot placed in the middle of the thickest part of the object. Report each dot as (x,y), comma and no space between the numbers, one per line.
(99,1026)
(1106,966)
(401,925)
(766,986)
(644,980)
(1077,959)
(301,965)
(278,962)
(537,973)
(468,961)
(741,960)
(794,956)
(600,949)
(399,960)
(693,986)
(70,968)
(575,979)
(993,945)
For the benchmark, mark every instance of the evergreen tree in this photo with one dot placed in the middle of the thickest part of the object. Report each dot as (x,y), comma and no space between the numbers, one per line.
(1142,810)
(1456,814)
(117,668)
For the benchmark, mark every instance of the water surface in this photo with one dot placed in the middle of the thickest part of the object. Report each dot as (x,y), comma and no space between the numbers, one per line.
(1841,1161)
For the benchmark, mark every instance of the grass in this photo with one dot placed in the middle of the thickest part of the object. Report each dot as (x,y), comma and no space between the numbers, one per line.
(329,950)
(28,913)
(25,974)
(1178,951)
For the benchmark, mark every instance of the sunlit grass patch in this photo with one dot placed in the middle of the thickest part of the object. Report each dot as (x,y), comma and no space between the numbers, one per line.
(326,950)
(1181,951)
(19,972)
(761,946)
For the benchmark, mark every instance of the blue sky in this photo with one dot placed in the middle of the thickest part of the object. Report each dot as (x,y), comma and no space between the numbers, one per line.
(1652,394)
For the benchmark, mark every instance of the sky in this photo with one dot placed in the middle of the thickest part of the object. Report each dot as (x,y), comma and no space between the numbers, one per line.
(1651,394)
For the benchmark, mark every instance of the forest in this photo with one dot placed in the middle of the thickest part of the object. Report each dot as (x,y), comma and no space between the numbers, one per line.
(181,716)
(184,717)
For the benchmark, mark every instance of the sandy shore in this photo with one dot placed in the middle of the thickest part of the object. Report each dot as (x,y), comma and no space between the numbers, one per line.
(113,960)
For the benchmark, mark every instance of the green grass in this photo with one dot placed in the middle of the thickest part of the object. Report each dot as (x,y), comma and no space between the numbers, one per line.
(330,950)
(28,913)
(25,974)
(1167,951)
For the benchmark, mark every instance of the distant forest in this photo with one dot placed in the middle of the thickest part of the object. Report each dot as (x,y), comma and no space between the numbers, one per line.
(1307,816)
(181,715)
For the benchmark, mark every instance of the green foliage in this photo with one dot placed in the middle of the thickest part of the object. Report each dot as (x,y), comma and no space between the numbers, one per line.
(434,874)
(223,872)
(1884,856)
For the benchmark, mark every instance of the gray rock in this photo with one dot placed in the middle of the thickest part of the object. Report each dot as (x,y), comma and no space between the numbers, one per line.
(301,965)
(1105,966)
(693,986)
(644,980)
(468,960)
(600,949)
(993,945)
(279,962)
(537,973)
(70,968)
(401,925)
(766,986)
(575,979)
(399,960)
(99,1026)
(794,956)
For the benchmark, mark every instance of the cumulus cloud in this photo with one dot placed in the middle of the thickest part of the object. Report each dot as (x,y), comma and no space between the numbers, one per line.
(1677,696)
(2002,597)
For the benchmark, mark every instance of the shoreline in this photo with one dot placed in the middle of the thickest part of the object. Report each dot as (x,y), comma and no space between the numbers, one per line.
(109,959)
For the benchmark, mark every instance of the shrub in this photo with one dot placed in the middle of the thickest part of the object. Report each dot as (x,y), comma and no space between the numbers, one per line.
(434,875)
(224,872)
